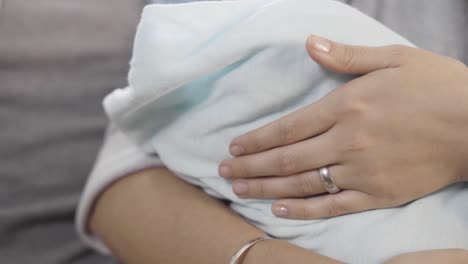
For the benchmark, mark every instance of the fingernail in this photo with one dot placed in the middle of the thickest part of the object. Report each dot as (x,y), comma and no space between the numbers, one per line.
(240,188)
(319,44)
(280,210)
(236,150)
(225,171)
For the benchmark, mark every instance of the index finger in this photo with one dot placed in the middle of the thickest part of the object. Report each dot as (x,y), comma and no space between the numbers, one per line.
(304,123)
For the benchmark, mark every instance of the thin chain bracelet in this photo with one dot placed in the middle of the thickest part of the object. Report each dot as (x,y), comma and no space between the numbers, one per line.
(245,247)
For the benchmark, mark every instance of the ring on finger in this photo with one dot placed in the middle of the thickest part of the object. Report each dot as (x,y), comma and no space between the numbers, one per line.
(327,181)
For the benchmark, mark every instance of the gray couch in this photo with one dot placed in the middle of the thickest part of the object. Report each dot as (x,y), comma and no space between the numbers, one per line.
(57,60)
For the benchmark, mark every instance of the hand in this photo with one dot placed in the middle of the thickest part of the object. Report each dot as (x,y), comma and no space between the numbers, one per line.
(446,256)
(393,135)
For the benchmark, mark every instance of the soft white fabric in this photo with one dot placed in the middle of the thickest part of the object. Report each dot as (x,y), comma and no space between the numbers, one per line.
(203,73)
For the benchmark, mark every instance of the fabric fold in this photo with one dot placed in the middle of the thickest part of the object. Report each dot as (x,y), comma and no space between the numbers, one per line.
(178,45)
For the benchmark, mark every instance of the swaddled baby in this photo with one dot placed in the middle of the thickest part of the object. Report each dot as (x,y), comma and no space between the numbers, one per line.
(203,73)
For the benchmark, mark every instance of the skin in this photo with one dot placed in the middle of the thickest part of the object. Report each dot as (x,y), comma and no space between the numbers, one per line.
(451,256)
(139,219)
(391,136)
(154,217)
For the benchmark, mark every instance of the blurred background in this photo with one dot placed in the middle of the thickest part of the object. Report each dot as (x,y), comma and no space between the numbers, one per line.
(59,58)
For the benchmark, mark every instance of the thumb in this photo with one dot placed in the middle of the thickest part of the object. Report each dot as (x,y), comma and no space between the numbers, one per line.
(349,59)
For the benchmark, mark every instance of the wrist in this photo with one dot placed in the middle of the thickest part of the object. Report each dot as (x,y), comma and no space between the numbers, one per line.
(279,252)
(258,253)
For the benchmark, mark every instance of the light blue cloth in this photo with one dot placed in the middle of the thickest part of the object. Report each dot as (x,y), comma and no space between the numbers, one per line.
(245,66)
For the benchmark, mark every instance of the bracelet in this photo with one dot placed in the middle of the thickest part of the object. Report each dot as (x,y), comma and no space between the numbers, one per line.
(245,247)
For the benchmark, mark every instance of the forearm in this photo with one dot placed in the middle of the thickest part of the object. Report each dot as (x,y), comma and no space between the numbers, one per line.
(153,217)
(446,256)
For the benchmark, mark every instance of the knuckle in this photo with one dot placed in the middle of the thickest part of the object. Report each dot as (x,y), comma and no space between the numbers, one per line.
(358,142)
(240,168)
(353,102)
(254,141)
(389,197)
(306,184)
(286,164)
(336,206)
(398,51)
(286,130)
(243,167)
(349,58)
(258,189)
(356,107)
(306,213)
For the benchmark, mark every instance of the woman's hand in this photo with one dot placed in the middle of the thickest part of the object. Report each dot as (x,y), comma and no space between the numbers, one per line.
(446,256)
(395,134)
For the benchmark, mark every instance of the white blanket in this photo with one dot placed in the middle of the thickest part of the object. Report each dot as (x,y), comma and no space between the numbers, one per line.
(203,73)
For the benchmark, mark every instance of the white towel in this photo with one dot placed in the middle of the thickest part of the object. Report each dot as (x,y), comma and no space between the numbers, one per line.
(203,73)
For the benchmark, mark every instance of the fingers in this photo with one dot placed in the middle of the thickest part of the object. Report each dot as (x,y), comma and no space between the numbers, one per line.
(325,206)
(300,185)
(322,115)
(302,156)
(299,125)
(354,59)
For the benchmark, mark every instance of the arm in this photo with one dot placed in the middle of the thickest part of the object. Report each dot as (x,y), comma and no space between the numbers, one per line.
(447,256)
(153,217)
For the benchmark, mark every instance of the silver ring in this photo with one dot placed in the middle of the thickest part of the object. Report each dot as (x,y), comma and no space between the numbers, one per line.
(327,181)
